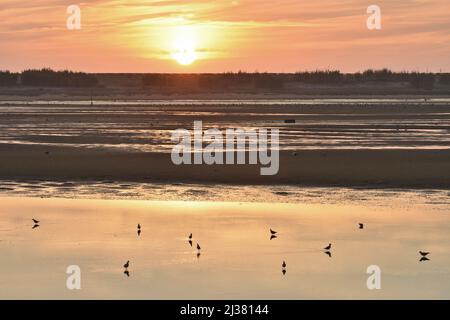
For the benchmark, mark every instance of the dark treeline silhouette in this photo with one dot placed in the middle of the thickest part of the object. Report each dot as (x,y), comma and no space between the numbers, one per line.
(50,78)
(221,81)
(279,80)
(7,78)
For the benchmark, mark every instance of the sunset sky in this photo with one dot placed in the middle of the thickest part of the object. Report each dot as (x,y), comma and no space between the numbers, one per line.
(249,35)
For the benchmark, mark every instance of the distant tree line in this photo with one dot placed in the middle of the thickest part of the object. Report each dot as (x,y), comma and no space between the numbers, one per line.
(7,78)
(220,81)
(48,78)
(278,80)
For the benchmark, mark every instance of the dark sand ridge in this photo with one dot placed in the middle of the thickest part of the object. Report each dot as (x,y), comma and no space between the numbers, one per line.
(396,168)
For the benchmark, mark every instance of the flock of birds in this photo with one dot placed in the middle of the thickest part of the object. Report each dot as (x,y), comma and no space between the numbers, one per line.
(273,235)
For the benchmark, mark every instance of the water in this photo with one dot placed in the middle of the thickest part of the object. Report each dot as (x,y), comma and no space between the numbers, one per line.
(147,126)
(237,261)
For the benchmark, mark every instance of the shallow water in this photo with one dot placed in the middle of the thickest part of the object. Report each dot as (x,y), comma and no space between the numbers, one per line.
(238,259)
(148,126)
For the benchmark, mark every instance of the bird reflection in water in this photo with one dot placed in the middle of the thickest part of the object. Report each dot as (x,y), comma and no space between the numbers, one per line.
(283,267)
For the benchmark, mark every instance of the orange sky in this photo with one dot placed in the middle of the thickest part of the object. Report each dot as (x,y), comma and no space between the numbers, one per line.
(249,35)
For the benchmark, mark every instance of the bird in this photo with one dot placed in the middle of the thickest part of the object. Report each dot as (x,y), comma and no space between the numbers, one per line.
(424,253)
(328,247)
(283,264)
(190,236)
(35,221)
(35,226)
(273,237)
(198,255)
(283,271)
(127,273)
(139,226)
(361,226)
(272,232)
(328,253)
(198,247)
(139,232)
(190,242)
(424,259)
(126,265)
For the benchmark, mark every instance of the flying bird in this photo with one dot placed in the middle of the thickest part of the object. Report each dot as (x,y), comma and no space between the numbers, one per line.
(328,253)
(139,226)
(424,253)
(35,221)
(190,242)
(424,259)
(190,236)
(284,264)
(273,237)
(127,273)
(328,247)
(198,247)
(361,226)
(272,232)
(126,265)
(35,226)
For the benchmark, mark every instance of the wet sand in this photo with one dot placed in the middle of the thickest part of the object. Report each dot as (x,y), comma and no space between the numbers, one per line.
(400,168)
(349,142)
(238,260)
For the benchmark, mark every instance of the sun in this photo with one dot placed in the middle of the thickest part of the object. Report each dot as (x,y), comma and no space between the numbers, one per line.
(184,45)
(184,53)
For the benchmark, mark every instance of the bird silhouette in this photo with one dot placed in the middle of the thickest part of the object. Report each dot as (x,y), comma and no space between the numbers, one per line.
(35,226)
(273,237)
(283,271)
(190,236)
(198,247)
(139,226)
(126,265)
(273,232)
(198,255)
(127,273)
(35,221)
(283,264)
(361,226)
(424,253)
(139,232)
(190,242)
(328,253)
(424,259)
(328,247)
